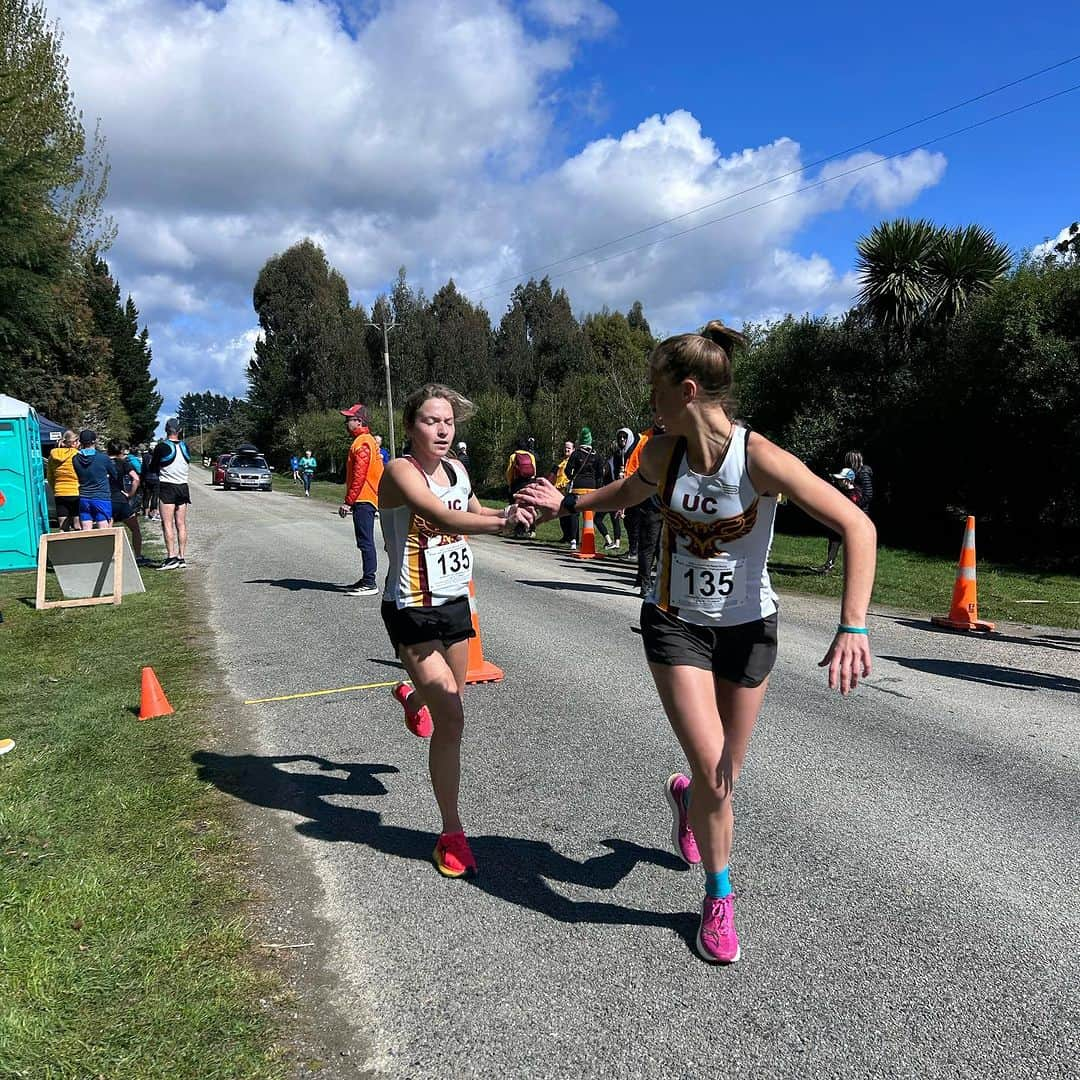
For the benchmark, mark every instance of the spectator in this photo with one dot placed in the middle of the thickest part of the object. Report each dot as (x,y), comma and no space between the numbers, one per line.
(585,471)
(644,519)
(307,471)
(521,470)
(383,452)
(150,487)
(562,482)
(614,469)
(463,455)
(856,481)
(363,471)
(64,482)
(124,492)
(93,468)
(170,462)
(294,464)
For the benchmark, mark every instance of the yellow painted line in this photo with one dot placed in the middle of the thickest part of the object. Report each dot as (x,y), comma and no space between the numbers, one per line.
(320,693)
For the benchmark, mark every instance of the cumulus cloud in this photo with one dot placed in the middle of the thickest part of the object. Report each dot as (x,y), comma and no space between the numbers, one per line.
(420,134)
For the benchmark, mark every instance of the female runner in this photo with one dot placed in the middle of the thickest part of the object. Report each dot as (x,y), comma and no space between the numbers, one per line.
(426,504)
(709,622)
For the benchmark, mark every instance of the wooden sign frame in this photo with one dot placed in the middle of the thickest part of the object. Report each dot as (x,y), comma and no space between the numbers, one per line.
(80,534)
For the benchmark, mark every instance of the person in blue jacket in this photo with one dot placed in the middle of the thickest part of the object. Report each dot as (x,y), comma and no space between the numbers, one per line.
(93,468)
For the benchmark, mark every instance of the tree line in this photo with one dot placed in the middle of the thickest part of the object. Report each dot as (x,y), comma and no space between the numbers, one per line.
(956,373)
(70,344)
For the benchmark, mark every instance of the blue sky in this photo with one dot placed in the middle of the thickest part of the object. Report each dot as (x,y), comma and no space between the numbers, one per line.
(481,138)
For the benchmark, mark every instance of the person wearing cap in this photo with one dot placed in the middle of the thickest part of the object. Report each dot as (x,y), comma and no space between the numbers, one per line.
(363,471)
(64,482)
(170,463)
(93,469)
(845,481)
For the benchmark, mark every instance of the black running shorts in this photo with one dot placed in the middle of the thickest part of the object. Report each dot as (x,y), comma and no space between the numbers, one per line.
(742,654)
(449,623)
(174,493)
(67,505)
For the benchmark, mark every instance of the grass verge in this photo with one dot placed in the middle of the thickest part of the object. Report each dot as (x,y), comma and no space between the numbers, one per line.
(123,950)
(905,579)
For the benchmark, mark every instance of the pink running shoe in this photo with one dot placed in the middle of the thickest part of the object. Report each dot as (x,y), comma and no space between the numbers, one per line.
(418,722)
(717,940)
(682,836)
(453,857)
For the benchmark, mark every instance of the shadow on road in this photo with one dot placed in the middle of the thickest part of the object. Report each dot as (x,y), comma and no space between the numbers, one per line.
(574,586)
(297,584)
(794,569)
(1045,641)
(990,674)
(511,869)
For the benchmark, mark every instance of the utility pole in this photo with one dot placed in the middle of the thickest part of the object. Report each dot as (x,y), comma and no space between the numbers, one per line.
(385,328)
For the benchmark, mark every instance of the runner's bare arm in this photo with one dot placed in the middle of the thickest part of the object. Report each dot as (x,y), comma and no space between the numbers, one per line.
(773,470)
(475,507)
(402,485)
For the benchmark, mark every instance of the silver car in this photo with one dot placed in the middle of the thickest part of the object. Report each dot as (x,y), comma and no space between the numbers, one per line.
(247,471)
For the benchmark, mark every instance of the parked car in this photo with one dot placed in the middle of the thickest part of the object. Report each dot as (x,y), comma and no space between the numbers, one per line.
(219,468)
(246,470)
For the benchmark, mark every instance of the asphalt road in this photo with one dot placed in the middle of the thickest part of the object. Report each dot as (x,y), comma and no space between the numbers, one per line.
(907,860)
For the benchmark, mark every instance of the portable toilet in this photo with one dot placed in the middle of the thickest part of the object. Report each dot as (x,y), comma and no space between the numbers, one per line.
(24,513)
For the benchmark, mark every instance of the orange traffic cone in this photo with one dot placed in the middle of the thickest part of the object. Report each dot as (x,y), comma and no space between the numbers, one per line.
(964,611)
(479,668)
(588,540)
(154,702)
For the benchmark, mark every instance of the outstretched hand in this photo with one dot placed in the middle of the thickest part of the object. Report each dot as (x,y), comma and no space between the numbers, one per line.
(848,660)
(518,515)
(542,497)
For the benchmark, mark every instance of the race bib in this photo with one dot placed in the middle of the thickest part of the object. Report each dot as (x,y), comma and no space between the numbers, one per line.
(449,568)
(707,584)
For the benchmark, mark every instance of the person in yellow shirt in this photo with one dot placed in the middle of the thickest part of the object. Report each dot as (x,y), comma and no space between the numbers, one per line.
(559,478)
(64,482)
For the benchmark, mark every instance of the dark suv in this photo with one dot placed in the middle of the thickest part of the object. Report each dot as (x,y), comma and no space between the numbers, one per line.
(247,471)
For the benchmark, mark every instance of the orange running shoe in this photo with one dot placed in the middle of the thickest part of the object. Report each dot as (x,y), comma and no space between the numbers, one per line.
(418,722)
(452,856)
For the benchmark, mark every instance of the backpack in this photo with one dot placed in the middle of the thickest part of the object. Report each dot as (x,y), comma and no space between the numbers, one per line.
(523,465)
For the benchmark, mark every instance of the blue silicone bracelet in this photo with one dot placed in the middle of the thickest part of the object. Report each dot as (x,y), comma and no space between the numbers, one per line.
(842,629)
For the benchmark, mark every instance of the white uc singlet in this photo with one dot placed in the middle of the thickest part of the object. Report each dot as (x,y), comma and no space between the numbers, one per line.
(714,545)
(426,568)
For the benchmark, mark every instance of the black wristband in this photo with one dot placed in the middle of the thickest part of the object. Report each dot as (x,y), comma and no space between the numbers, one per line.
(569,503)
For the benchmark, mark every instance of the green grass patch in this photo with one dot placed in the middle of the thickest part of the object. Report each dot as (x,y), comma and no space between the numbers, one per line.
(123,948)
(323,490)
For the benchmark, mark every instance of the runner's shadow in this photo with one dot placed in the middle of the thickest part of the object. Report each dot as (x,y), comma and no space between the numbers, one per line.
(793,569)
(519,871)
(1044,641)
(573,586)
(294,584)
(990,674)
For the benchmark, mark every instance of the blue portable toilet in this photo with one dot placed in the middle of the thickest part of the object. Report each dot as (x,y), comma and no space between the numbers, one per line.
(24,512)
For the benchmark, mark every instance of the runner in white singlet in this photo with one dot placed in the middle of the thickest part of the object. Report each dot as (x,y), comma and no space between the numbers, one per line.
(427,507)
(709,624)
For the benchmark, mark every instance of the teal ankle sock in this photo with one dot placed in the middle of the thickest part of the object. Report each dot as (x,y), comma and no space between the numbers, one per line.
(718,885)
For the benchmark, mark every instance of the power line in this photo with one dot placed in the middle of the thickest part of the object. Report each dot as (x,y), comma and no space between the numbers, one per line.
(796,191)
(784,176)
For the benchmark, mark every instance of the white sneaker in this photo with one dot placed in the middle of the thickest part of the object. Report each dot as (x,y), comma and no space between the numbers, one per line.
(612,545)
(363,590)
(573,545)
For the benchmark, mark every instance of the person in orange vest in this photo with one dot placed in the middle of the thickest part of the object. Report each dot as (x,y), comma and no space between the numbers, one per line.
(363,471)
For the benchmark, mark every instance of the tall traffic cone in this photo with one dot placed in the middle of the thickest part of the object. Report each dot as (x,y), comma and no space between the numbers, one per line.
(154,702)
(588,540)
(479,668)
(964,611)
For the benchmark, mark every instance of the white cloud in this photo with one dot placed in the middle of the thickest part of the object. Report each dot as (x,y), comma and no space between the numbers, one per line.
(420,135)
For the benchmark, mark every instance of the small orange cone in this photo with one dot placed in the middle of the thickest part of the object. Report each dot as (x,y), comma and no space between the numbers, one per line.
(964,611)
(588,540)
(154,702)
(479,668)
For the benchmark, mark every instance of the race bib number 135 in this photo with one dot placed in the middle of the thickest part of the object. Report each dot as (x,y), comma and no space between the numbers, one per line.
(449,568)
(707,584)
